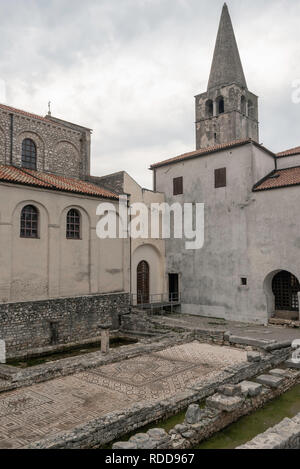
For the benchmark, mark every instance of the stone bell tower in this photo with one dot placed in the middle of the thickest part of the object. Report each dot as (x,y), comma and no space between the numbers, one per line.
(227,111)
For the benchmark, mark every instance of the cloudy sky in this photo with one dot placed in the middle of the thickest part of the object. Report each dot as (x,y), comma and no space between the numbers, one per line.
(129,69)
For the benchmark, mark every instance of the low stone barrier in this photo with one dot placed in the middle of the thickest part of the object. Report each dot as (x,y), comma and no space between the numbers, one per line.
(285,435)
(13,377)
(228,405)
(101,431)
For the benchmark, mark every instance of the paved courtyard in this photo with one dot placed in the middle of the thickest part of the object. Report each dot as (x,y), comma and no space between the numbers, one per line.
(42,410)
(189,322)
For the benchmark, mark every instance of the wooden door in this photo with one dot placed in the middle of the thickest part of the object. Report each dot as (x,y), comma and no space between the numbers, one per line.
(143,281)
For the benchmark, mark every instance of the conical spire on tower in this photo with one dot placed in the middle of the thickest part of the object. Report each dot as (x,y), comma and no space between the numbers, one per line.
(226,66)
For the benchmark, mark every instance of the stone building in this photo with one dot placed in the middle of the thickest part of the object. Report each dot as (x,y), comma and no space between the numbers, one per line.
(58,280)
(248,269)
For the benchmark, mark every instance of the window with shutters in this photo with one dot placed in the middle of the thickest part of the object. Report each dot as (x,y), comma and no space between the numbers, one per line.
(178,186)
(220,177)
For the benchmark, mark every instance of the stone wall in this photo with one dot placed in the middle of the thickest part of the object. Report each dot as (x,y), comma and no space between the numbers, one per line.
(30,326)
(62,148)
(285,435)
(224,408)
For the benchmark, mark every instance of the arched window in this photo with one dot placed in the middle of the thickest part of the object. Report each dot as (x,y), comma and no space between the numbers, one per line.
(243,105)
(73,224)
(220,105)
(28,154)
(29,222)
(250,108)
(209,108)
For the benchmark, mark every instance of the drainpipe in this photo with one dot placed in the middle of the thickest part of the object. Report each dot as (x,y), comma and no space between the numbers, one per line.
(11,137)
(130,249)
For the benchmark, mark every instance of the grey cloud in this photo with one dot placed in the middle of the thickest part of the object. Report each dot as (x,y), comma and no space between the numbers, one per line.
(130,69)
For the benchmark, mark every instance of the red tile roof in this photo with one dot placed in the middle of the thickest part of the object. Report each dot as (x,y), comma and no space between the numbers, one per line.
(291,152)
(52,181)
(24,113)
(279,178)
(207,151)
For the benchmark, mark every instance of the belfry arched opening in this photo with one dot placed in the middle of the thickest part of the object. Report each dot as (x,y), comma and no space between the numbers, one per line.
(285,287)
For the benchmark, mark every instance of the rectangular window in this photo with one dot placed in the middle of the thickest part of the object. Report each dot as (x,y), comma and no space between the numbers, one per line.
(178,186)
(244,281)
(220,177)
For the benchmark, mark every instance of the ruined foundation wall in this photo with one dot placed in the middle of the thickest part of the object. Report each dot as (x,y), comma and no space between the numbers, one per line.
(31,326)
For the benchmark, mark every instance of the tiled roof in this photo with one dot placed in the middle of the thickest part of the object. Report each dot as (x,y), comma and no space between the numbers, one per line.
(291,152)
(279,178)
(52,181)
(24,113)
(207,151)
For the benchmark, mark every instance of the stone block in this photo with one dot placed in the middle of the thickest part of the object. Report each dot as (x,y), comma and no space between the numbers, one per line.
(193,414)
(260,343)
(269,380)
(280,372)
(124,445)
(2,351)
(230,390)
(142,441)
(253,357)
(157,434)
(224,403)
(251,389)
(293,364)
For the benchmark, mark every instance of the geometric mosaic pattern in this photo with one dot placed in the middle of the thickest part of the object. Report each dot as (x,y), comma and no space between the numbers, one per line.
(45,409)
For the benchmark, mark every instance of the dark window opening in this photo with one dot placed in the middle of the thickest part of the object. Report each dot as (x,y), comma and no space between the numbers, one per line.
(220,177)
(243,105)
(173,287)
(209,108)
(244,281)
(178,186)
(29,222)
(28,154)
(73,224)
(220,105)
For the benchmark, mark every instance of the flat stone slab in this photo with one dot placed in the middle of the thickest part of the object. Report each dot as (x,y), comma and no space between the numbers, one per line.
(292,364)
(269,380)
(251,389)
(280,372)
(224,403)
(261,343)
(124,445)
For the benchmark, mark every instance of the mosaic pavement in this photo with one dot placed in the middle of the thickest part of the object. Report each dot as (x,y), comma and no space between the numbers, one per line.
(42,410)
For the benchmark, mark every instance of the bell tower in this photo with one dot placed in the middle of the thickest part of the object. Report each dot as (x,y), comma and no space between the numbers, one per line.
(227,111)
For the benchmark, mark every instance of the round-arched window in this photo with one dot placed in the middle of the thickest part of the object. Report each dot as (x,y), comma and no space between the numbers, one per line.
(28,154)
(73,224)
(29,222)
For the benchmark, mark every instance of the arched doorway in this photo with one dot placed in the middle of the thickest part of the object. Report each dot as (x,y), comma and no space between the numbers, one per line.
(143,280)
(285,287)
